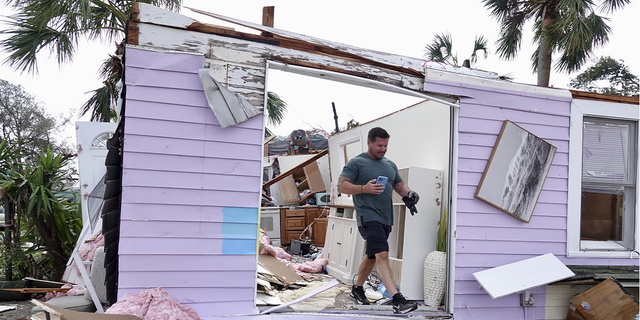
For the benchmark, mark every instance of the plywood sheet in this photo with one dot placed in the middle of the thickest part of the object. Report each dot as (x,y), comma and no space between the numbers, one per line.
(522,275)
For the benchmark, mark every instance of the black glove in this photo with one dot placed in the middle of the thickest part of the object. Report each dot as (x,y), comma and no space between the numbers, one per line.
(410,201)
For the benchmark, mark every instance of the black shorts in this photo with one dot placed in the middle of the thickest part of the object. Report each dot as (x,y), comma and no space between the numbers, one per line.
(376,235)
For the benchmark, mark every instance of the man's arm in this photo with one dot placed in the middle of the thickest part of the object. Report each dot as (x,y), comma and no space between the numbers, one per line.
(402,189)
(346,185)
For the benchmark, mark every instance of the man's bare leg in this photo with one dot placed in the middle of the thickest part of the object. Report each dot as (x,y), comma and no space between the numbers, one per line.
(382,261)
(364,270)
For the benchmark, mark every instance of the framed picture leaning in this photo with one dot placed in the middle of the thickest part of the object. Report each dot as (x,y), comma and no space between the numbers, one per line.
(517,168)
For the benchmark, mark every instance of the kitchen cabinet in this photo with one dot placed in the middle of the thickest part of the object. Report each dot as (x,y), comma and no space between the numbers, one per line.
(301,184)
(294,221)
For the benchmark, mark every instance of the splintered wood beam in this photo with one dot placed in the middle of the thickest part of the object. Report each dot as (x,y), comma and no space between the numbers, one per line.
(268,16)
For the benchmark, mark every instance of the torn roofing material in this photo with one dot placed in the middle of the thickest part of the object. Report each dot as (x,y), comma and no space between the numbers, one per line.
(229,108)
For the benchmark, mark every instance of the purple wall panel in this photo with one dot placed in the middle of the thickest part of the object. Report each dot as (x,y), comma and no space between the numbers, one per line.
(171,79)
(525,233)
(181,171)
(480,111)
(183,163)
(163,111)
(187,262)
(168,246)
(184,180)
(189,197)
(190,279)
(539,247)
(167,95)
(163,61)
(486,236)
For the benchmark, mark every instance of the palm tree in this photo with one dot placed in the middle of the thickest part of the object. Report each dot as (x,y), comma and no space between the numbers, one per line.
(570,28)
(441,50)
(58,25)
(276,107)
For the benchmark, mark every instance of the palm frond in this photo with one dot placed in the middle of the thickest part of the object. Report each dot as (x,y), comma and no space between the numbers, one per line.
(100,104)
(479,44)
(608,6)
(441,48)
(276,108)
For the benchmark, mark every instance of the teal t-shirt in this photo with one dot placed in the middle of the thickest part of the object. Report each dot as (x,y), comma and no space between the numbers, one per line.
(372,207)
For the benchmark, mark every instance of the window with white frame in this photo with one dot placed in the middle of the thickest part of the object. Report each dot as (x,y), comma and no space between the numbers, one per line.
(603,160)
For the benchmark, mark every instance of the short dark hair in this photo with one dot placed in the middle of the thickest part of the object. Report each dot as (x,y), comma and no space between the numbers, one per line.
(377,132)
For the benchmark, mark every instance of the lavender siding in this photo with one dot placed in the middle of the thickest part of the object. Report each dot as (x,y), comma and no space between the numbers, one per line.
(190,190)
(486,236)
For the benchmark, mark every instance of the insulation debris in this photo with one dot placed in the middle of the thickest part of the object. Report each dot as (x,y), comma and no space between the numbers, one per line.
(152,304)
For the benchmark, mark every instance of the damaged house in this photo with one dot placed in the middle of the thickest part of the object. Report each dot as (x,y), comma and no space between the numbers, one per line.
(190,178)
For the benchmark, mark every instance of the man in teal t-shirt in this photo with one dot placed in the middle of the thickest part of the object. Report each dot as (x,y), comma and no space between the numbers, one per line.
(374,212)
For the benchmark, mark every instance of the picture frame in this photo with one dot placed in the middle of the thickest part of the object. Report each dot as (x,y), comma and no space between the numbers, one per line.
(516,171)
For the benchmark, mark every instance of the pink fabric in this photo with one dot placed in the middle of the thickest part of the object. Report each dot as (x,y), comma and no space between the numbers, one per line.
(88,249)
(153,304)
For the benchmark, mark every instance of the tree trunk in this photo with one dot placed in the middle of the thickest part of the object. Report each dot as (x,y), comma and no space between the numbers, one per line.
(544,54)
(54,247)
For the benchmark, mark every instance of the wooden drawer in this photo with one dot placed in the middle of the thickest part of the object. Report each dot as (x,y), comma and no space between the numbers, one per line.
(295,213)
(295,223)
(292,235)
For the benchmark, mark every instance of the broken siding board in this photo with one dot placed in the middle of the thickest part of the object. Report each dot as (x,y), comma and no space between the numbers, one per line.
(246,77)
(229,49)
(394,60)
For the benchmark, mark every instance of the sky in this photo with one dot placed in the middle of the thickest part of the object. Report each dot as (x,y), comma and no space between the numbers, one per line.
(399,27)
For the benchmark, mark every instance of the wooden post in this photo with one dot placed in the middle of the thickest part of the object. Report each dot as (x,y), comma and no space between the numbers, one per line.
(268,16)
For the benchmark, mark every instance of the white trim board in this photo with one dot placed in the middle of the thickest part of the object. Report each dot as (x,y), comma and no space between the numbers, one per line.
(522,275)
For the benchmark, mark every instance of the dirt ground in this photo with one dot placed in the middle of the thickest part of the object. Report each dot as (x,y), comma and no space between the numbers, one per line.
(22,312)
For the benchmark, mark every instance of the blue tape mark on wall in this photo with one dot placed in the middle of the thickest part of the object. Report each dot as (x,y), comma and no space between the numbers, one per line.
(239,230)
(236,214)
(239,246)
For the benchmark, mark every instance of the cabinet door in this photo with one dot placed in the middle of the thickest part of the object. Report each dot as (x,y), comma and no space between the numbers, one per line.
(335,246)
(346,258)
(288,190)
(314,177)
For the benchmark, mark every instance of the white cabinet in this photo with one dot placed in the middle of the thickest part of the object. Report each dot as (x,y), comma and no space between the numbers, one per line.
(344,247)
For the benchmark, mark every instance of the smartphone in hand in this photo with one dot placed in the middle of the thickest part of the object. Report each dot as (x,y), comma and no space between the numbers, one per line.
(382,179)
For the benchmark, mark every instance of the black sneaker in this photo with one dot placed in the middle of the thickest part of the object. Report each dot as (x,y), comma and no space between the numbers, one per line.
(401,305)
(358,294)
